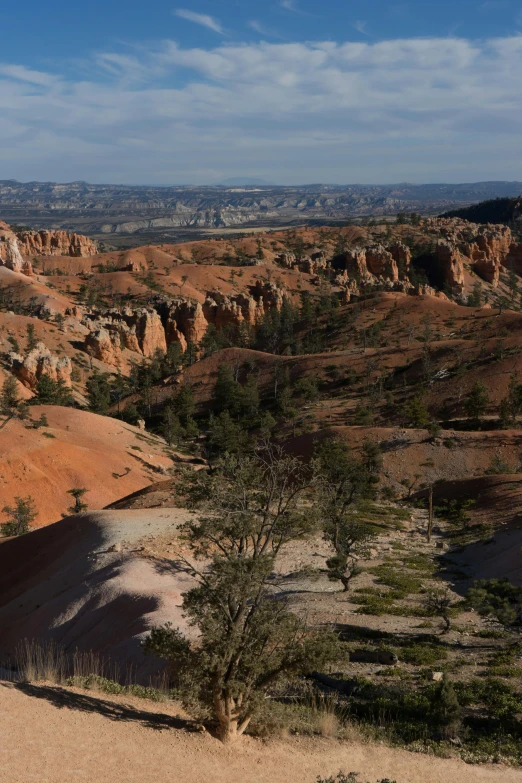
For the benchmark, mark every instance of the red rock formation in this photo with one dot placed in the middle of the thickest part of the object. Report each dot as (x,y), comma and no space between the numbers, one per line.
(104,346)
(150,333)
(268,295)
(223,310)
(10,255)
(55,243)
(381,263)
(185,317)
(40,361)
(402,257)
(451,264)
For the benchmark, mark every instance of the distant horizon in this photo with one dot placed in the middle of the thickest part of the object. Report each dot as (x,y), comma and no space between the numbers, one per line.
(325,184)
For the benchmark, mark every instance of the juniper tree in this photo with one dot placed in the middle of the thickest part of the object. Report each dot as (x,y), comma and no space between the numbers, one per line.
(79,505)
(438,603)
(498,598)
(344,480)
(20,517)
(247,636)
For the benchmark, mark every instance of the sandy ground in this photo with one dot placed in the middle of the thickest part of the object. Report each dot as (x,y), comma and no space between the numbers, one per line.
(52,735)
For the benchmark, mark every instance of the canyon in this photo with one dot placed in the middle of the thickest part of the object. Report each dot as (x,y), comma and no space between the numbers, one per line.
(133,215)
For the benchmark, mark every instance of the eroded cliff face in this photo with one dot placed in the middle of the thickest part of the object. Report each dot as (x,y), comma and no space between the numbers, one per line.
(10,255)
(17,248)
(178,320)
(375,263)
(485,249)
(55,243)
(40,361)
(110,331)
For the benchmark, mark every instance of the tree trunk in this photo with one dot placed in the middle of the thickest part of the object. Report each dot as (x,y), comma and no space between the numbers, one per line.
(232,722)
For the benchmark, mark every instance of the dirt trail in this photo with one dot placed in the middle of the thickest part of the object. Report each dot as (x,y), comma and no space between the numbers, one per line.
(55,736)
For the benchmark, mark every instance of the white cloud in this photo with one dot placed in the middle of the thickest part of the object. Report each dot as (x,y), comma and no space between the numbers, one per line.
(23,74)
(202,19)
(397,110)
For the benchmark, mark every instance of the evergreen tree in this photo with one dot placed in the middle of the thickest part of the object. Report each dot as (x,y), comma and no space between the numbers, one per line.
(21,515)
(343,481)
(227,394)
(32,340)
(9,398)
(50,392)
(498,598)
(249,508)
(171,428)
(79,505)
(184,403)
(98,389)
(417,412)
(477,401)
(446,708)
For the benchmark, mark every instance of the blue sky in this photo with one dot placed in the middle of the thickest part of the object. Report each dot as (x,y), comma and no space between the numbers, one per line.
(293,91)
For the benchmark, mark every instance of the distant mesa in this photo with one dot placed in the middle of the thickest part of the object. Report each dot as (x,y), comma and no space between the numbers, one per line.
(239,182)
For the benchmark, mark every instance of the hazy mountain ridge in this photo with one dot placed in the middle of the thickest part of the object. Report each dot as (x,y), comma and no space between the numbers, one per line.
(125,210)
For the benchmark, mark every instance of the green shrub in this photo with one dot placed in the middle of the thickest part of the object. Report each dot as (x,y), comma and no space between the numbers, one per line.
(403,584)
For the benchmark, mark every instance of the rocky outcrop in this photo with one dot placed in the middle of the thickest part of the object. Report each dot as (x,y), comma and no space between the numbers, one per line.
(150,333)
(40,361)
(10,255)
(55,243)
(140,331)
(104,346)
(451,264)
(268,295)
(224,310)
(402,256)
(381,263)
(486,248)
(180,321)
(184,321)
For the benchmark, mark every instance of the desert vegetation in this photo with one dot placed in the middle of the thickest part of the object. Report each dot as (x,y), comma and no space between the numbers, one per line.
(313,444)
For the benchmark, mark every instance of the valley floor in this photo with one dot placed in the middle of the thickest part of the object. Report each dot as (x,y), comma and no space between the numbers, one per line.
(55,735)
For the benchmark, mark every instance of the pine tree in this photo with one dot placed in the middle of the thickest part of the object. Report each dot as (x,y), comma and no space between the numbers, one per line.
(98,390)
(9,399)
(32,340)
(477,401)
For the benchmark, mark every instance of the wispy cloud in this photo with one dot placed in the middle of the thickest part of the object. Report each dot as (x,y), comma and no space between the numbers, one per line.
(202,19)
(23,74)
(262,30)
(289,5)
(361,27)
(407,109)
